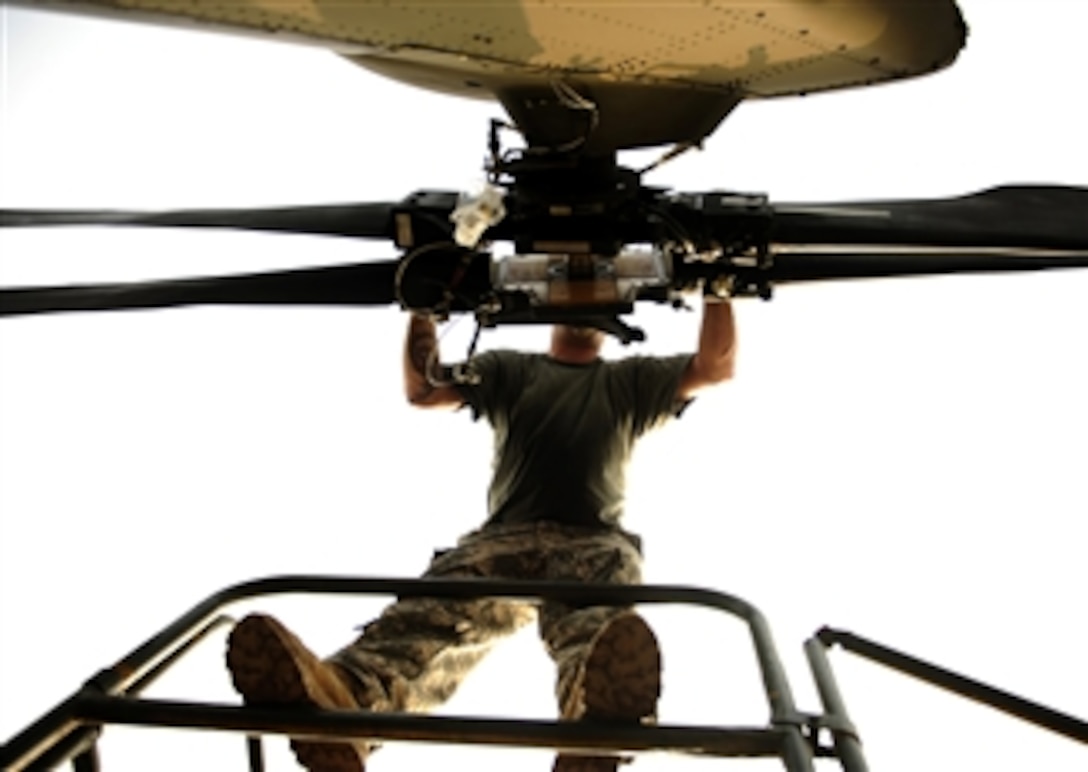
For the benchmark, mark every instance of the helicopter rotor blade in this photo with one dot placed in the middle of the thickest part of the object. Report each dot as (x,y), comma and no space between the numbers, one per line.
(368,220)
(797,265)
(1017,228)
(343,285)
(1009,217)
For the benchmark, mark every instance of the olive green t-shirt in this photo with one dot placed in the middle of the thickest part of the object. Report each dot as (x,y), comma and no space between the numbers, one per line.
(564,432)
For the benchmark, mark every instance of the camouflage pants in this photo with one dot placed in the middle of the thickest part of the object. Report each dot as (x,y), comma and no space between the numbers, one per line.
(416,653)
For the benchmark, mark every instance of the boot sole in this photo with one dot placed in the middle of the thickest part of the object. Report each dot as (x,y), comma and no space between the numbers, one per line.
(621,681)
(622,677)
(266,669)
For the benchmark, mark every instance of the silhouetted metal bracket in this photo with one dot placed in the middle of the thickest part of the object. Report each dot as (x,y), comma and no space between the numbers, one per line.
(998,699)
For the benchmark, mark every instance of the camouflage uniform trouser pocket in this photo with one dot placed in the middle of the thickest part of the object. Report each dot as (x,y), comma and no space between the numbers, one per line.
(416,653)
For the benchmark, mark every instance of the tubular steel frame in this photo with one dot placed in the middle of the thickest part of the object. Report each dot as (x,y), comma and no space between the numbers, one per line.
(71,730)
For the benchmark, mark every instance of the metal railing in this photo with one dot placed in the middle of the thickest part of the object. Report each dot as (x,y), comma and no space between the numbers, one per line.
(70,731)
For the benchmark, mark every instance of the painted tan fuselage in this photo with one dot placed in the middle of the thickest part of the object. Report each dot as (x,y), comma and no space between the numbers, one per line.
(661,71)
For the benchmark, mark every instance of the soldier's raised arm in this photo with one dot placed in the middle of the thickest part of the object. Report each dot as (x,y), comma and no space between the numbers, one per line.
(715,358)
(422,368)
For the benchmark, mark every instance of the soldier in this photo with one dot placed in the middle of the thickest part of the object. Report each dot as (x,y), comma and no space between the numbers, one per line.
(565,423)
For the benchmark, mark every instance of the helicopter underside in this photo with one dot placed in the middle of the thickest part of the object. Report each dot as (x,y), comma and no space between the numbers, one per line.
(655,73)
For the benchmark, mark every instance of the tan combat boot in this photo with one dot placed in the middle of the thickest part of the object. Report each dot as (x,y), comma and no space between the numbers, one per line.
(619,681)
(271,667)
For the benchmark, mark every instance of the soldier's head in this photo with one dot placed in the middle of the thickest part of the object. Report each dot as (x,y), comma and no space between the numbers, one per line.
(576,344)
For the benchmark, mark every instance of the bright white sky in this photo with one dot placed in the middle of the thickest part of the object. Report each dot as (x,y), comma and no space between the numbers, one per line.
(904,459)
